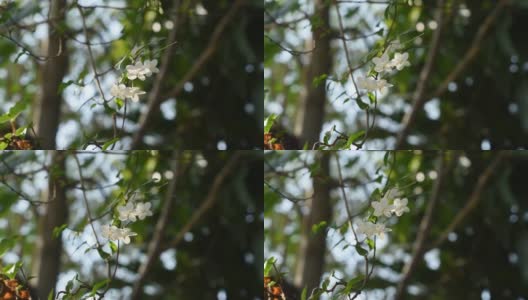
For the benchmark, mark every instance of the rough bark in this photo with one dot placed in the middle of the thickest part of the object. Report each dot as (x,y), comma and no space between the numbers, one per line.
(55,214)
(311,262)
(47,115)
(310,116)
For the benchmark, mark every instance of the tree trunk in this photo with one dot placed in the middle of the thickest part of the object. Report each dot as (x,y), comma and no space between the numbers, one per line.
(311,262)
(47,115)
(56,214)
(310,117)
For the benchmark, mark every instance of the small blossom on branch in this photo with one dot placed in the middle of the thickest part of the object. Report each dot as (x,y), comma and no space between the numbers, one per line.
(400,206)
(371,229)
(382,64)
(142,70)
(372,85)
(113,233)
(382,207)
(400,61)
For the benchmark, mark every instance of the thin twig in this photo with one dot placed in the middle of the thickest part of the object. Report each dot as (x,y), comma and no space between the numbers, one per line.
(473,200)
(90,53)
(419,94)
(210,199)
(423,231)
(154,246)
(202,60)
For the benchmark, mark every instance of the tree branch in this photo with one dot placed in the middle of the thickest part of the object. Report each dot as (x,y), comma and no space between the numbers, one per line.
(419,94)
(423,231)
(155,98)
(473,50)
(210,199)
(474,198)
(468,58)
(154,247)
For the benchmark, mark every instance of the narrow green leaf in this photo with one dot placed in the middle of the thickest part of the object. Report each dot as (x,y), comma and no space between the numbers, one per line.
(362,105)
(268,264)
(6,245)
(98,286)
(58,230)
(353,138)
(360,250)
(269,122)
(110,143)
(15,110)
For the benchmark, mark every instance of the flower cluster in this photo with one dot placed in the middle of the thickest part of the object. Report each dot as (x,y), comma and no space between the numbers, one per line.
(383,207)
(384,64)
(131,212)
(114,233)
(128,212)
(139,70)
(122,91)
(142,70)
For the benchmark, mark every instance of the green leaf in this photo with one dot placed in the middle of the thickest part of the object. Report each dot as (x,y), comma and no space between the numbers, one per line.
(58,230)
(353,283)
(371,244)
(12,269)
(317,227)
(119,102)
(327,136)
(6,245)
(319,79)
(326,283)
(343,228)
(372,97)
(103,254)
(268,264)
(15,110)
(303,295)
(51,295)
(64,85)
(269,122)
(360,250)
(110,143)
(362,105)
(98,286)
(353,138)
(113,246)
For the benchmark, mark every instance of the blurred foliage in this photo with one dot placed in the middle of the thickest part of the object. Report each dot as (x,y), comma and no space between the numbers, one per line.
(486,255)
(223,103)
(485,108)
(221,255)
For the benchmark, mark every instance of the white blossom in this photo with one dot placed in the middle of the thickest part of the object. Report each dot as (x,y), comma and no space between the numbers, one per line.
(371,84)
(382,207)
(400,206)
(150,66)
(143,210)
(371,229)
(136,71)
(400,61)
(380,230)
(134,92)
(119,91)
(141,70)
(125,234)
(110,232)
(113,233)
(382,64)
(127,212)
